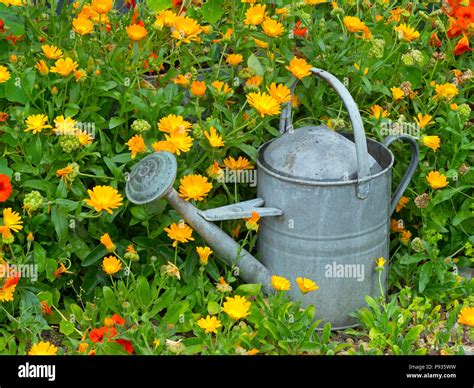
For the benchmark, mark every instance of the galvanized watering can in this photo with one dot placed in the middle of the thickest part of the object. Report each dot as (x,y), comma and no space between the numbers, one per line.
(326,216)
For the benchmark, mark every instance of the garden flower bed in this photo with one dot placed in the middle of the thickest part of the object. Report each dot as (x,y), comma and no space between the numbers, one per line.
(90,90)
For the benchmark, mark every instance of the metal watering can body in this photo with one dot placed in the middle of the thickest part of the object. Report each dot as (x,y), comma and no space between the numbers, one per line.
(327,209)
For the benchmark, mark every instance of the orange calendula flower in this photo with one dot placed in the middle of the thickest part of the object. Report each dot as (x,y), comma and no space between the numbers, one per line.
(179,233)
(406,32)
(234,59)
(252,222)
(198,88)
(45,309)
(397,93)
(4,74)
(36,123)
(136,145)
(378,112)
(111,265)
(237,307)
(83,26)
(255,15)
(173,124)
(306,285)
(280,92)
(107,242)
(256,80)
(264,104)
(260,43)
(280,283)
(60,270)
(102,6)
(51,52)
(104,198)
(240,164)
(209,324)
(423,120)
(432,142)
(221,86)
(446,91)
(181,80)
(65,126)
(136,32)
(179,142)
(299,67)
(11,222)
(272,28)
(215,140)
(436,180)
(185,30)
(405,236)
(355,25)
(42,67)
(402,203)
(214,171)
(194,187)
(43,349)
(466,316)
(79,74)
(164,18)
(64,66)
(204,253)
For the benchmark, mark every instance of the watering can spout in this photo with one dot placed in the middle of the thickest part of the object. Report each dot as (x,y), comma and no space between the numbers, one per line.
(153,178)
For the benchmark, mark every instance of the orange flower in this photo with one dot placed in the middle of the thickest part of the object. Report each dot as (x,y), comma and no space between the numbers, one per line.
(462,46)
(136,145)
(136,32)
(194,187)
(436,180)
(272,28)
(198,88)
(252,222)
(107,242)
(102,6)
(299,67)
(234,59)
(179,233)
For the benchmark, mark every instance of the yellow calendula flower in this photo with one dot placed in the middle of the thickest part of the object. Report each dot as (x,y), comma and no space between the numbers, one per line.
(179,142)
(355,25)
(185,29)
(36,123)
(179,233)
(280,92)
(214,170)
(436,180)
(466,316)
(215,140)
(11,222)
(174,124)
(252,222)
(256,80)
(432,142)
(306,285)
(315,2)
(255,15)
(102,6)
(237,307)
(104,198)
(107,242)
(397,93)
(83,26)
(43,349)
(164,18)
(194,187)
(299,67)
(209,324)
(198,88)
(234,59)
(378,112)
(65,126)
(446,91)
(264,104)
(42,67)
(280,283)
(406,32)
(111,265)
(64,66)
(84,137)
(240,164)
(181,80)
(7,293)
(136,32)
(423,120)
(136,144)
(204,253)
(260,43)
(221,86)
(402,203)
(380,262)
(4,74)
(51,52)
(272,28)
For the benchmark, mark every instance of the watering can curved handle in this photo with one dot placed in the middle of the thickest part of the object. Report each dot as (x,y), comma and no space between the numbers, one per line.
(410,170)
(363,171)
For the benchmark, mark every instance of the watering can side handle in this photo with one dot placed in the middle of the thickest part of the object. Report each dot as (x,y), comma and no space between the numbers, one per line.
(410,170)
(363,171)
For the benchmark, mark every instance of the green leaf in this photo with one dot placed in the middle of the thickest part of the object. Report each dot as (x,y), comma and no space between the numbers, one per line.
(95,255)
(326,333)
(413,334)
(212,11)
(425,275)
(254,63)
(175,311)
(158,5)
(248,289)
(213,308)
(39,254)
(116,121)
(60,223)
(66,327)
(110,299)
(143,291)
